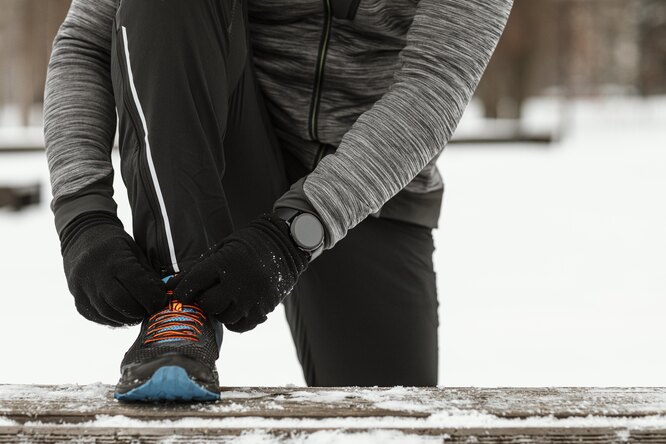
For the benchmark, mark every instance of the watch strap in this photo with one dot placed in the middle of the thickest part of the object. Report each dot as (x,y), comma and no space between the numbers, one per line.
(289,215)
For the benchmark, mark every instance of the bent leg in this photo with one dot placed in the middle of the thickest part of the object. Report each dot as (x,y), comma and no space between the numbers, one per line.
(365,312)
(174,67)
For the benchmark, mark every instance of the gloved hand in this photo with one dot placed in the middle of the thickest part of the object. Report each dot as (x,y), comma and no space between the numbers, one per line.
(247,275)
(107,273)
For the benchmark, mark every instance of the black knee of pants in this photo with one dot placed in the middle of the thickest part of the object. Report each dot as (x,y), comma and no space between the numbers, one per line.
(365,312)
(194,136)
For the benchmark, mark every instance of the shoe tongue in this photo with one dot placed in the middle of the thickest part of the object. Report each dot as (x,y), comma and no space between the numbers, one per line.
(175,305)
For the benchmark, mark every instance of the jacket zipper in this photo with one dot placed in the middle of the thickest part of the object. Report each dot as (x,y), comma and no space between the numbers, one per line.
(319,74)
(145,182)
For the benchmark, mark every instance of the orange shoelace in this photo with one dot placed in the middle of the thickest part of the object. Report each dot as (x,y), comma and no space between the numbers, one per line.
(176,322)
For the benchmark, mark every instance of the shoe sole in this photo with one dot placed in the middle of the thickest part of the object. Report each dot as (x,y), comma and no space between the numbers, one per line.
(168,383)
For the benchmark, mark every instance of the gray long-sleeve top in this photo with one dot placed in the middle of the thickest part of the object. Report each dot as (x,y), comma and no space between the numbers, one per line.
(397,76)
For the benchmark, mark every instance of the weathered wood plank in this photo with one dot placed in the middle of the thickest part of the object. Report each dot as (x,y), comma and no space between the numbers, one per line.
(61,413)
(82,402)
(149,435)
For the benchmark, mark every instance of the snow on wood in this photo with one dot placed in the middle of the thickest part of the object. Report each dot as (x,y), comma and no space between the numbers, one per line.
(314,415)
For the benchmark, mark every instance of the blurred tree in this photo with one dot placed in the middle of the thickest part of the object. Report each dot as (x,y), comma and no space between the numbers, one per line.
(525,61)
(27,29)
(576,48)
(604,46)
(653,44)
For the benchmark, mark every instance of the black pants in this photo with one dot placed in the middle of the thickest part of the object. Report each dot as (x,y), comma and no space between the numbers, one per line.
(199,157)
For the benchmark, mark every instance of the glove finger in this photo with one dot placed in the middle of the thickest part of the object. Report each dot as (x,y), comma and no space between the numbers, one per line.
(135,262)
(84,305)
(112,312)
(194,283)
(244,325)
(254,318)
(173,281)
(233,314)
(86,310)
(141,282)
(214,302)
(139,254)
(146,292)
(137,301)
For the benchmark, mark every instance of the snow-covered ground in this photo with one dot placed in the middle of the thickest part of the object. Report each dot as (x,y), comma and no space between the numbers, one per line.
(551,267)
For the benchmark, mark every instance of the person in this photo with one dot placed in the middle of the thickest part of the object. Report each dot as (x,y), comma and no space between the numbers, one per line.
(269,149)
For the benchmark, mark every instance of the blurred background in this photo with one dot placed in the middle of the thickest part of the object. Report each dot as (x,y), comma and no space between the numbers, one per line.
(551,250)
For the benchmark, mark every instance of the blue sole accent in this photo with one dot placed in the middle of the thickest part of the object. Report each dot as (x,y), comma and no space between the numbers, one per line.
(168,383)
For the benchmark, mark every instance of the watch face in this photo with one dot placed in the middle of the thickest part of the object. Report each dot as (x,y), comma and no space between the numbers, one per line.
(307,231)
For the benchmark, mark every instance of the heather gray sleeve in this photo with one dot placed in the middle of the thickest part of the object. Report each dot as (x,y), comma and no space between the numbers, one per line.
(79,112)
(448,47)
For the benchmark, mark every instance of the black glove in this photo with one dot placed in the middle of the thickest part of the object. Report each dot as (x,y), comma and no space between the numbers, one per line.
(107,273)
(247,275)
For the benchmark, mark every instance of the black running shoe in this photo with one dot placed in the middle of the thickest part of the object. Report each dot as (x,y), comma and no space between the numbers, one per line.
(173,359)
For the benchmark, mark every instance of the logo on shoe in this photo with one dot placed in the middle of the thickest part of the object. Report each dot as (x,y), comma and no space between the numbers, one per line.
(175,306)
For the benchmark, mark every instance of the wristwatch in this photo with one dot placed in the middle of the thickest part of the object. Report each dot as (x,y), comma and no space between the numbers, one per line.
(305,228)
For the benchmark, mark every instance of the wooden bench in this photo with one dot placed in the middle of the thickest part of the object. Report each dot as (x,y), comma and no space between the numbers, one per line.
(90,414)
(18,197)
